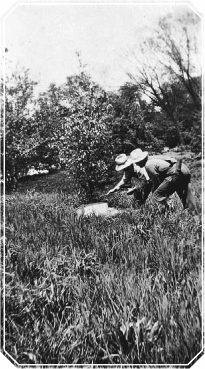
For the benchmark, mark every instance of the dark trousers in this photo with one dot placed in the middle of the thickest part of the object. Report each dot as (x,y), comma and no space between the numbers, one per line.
(177,180)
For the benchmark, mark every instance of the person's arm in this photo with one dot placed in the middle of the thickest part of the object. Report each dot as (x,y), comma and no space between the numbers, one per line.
(153,174)
(123,181)
(141,172)
(142,177)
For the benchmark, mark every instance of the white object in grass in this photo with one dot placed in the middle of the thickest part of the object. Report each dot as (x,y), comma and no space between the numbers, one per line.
(98,208)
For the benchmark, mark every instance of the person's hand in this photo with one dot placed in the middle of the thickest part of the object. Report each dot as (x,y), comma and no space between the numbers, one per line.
(111,191)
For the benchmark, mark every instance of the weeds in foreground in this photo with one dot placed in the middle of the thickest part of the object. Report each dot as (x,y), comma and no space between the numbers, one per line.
(123,290)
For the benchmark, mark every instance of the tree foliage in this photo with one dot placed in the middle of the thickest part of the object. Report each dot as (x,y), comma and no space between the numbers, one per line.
(20,128)
(133,118)
(88,145)
(169,75)
(49,120)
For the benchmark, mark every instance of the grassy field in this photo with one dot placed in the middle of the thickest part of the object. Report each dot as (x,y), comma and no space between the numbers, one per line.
(121,290)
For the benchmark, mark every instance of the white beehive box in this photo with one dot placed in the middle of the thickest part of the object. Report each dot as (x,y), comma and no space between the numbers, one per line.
(98,208)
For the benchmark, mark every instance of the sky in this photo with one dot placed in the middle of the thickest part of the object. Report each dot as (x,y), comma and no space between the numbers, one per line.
(46,37)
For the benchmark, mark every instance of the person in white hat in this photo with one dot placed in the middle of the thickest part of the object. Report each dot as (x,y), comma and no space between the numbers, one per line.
(165,174)
(132,170)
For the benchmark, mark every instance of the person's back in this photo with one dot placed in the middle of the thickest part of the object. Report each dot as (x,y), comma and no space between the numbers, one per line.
(157,167)
(167,179)
(164,166)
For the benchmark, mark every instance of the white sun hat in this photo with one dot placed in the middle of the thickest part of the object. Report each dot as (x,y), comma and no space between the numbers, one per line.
(122,161)
(136,156)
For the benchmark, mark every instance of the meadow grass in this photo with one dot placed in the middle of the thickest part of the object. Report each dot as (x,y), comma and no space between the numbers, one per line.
(121,290)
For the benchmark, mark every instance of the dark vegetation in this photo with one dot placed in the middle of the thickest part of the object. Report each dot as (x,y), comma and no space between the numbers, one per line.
(121,290)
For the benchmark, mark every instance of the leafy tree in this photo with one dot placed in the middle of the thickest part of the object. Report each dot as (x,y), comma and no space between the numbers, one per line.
(87,141)
(50,119)
(167,74)
(181,63)
(132,125)
(20,128)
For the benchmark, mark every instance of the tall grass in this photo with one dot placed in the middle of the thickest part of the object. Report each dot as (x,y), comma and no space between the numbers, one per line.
(121,290)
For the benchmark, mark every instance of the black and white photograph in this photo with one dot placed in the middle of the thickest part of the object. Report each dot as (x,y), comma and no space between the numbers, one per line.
(102,143)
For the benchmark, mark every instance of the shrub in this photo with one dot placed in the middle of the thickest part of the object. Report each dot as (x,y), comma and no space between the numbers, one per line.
(88,135)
